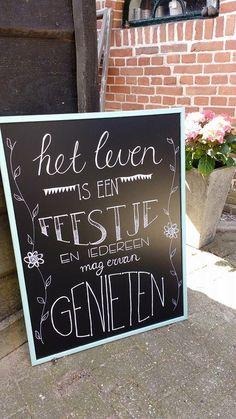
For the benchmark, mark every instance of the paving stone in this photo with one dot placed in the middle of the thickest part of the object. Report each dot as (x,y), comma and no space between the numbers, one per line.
(83,398)
(136,402)
(38,392)
(225,408)
(179,405)
(210,386)
(10,398)
(21,414)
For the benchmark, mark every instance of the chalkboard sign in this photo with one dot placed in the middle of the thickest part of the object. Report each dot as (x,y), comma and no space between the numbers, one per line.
(95,204)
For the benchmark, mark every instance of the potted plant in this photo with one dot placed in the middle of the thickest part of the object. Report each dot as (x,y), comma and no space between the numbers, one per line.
(210,141)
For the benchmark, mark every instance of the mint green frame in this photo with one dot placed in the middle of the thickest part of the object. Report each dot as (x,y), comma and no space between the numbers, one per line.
(15,238)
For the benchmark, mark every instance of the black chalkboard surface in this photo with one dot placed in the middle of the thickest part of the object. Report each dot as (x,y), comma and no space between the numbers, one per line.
(95,203)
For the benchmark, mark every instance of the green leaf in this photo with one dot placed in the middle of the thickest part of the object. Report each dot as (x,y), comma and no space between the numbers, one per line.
(223,149)
(198,153)
(230,138)
(206,165)
(233,148)
(230,162)
(188,160)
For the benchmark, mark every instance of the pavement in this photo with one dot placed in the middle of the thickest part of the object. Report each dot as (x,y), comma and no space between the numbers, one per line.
(186,370)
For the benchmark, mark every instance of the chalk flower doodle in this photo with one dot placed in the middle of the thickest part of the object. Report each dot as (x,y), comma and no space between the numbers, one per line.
(33,259)
(171,229)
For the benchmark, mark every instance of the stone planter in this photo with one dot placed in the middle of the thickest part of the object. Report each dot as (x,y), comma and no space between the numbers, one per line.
(205,199)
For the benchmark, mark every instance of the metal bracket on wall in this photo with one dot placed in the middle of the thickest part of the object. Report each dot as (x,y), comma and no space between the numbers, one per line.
(104,40)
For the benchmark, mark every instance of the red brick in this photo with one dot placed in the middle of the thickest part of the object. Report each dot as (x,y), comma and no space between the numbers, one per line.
(119,97)
(199,90)
(219,79)
(203,80)
(180,31)
(149,106)
(191,109)
(183,101)
(131,71)
(227,90)
(221,57)
(111,80)
(204,58)
(231,44)
(140,35)
(168,100)
(121,52)
(209,27)
(220,68)
(131,80)
(118,80)
(113,106)
(171,32)
(170,81)
(219,31)
(155,34)
(119,5)
(188,58)
(188,69)
(218,101)
(207,46)
(189,30)
(186,80)
(132,106)
(131,98)
(142,99)
(132,35)
(173,59)
(125,38)
(132,62)
(146,50)
(179,47)
(143,81)
(120,89)
(149,71)
(228,110)
(227,7)
(155,99)
(163,32)
(156,80)
(110,96)
(230,25)
(113,71)
(147,37)
(198,30)
(169,90)
(232,101)
(201,101)
(232,79)
(119,62)
(144,61)
(143,90)
(157,60)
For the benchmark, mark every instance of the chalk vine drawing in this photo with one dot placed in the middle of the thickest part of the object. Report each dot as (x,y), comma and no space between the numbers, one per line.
(171,229)
(33,259)
(72,188)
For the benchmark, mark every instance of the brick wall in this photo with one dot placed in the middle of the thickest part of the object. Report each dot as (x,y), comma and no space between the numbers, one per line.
(190,63)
